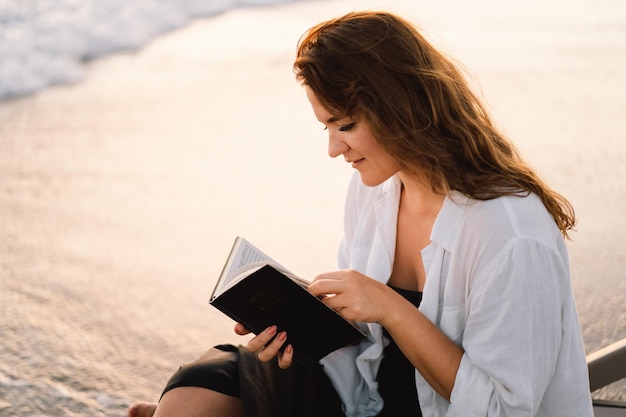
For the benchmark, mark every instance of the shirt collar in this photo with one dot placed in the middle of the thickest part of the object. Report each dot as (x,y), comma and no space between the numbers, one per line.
(448,220)
(392,186)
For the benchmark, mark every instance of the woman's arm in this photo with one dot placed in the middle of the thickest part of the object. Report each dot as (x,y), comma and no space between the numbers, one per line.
(431,352)
(357,297)
(513,332)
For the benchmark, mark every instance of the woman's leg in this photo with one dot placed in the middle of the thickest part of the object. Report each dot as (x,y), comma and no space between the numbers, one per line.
(190,402)
(142,409)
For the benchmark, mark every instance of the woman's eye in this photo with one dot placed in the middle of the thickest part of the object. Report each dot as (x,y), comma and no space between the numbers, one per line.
(346,128)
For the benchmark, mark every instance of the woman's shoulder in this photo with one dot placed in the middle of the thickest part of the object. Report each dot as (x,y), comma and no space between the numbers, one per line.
(510,217)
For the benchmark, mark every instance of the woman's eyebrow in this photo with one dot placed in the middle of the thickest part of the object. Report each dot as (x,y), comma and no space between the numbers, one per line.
(336,118)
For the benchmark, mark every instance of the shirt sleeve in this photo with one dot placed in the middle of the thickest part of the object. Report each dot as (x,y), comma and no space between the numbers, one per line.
(513,332)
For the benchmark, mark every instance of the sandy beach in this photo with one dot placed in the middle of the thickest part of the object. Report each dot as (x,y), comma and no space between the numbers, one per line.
(121,195)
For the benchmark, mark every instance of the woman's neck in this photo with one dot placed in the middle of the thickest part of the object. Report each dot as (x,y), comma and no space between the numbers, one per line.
(418,196)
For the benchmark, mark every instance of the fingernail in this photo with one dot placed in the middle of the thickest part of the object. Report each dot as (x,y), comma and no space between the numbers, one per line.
(282,336)
(289,349)
(271,330)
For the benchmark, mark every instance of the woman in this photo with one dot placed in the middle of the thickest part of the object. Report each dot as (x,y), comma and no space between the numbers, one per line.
(453,259)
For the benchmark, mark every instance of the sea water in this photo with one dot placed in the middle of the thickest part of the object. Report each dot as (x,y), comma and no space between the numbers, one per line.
(68,346)
(46,42)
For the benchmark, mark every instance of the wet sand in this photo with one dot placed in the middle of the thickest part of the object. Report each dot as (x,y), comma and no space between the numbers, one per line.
(120,196)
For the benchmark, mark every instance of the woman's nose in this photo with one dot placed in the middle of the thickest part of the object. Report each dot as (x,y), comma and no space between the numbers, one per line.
(336,146)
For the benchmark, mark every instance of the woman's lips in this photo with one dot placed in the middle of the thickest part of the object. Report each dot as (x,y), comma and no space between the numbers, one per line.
(357,162)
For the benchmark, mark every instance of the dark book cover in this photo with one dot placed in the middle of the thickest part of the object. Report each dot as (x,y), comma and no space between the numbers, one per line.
(268,297)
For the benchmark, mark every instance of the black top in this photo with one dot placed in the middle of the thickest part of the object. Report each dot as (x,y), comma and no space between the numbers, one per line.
(396,375)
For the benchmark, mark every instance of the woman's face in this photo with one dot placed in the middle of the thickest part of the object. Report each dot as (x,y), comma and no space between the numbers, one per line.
(354,140)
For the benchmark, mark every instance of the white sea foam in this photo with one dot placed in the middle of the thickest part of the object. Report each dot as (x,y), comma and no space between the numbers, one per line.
(46,42)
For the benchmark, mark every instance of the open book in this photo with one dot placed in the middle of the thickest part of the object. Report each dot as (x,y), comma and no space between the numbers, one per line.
(256,291)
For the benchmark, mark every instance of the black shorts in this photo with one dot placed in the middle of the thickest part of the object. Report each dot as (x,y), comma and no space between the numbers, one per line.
(264,388)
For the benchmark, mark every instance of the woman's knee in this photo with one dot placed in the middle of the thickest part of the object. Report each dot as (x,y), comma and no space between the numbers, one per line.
(198,402)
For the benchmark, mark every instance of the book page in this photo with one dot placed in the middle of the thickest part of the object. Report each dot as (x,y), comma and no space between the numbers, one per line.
(247,254)
(244,258)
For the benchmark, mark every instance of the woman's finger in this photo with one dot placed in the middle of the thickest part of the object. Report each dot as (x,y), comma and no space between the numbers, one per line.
(259,341)
(241,330)
(285,359)
(273,348)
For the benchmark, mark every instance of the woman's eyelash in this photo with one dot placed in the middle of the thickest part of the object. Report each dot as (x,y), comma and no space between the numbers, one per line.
(347,127)
(344,128)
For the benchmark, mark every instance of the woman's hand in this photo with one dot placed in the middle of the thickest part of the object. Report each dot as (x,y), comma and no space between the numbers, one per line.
(267,345)
(355,296)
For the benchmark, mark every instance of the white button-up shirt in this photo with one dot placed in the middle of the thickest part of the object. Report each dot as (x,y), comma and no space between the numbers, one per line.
(498,284)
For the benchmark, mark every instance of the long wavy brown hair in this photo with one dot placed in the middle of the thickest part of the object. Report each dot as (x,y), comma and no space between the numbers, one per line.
(377,67)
